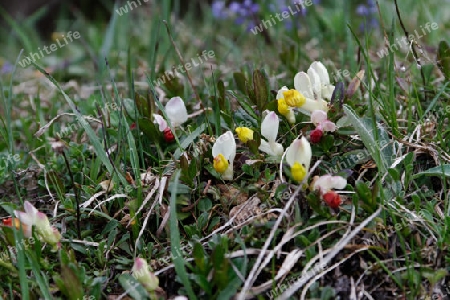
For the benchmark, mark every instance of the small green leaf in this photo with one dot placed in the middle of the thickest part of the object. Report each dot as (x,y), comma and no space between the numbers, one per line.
(443,58)
(365,195)
(132,287)
(442,170)
(254,144)
(221,89)
(199,257)
(261,88)
(381,150)
(240,80)
(337,98)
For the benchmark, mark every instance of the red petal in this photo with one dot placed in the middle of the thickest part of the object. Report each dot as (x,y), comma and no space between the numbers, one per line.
(332,199)
(168,135)
(7,222)
(315,136)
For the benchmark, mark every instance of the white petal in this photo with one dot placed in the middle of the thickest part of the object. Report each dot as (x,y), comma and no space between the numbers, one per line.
(327,182)
(265,147)
(24,218)
(315,83)
(269,127)
(291,116)
(318,116)
(228,174)
(302,83)
(328,126)
(311,105)
(299,151)
(225,145)
(31,210)
(280,92)
(162,124)
(273,149)
(277,149)
(176,111)
(327,91)
(339,182)
(321,71)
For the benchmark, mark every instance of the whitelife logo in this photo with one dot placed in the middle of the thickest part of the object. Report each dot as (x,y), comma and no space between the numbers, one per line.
(182,68)
(124,9)
(281,17)
(403,42)
(53,47)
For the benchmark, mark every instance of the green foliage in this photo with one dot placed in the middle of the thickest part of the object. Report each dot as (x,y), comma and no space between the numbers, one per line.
(391,145)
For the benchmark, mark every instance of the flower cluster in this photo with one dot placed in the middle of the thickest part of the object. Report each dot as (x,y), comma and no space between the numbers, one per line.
(177,114)
(32,217)
(247,12)
(311,93)
(326,185)
(368,11)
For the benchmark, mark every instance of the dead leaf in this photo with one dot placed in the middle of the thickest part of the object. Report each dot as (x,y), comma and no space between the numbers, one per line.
(234,195)
(354,84)
(246,210)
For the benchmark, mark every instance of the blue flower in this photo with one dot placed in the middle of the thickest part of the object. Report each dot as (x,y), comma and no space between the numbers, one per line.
(368,11)
(248,12)
(219,10)
(6,68)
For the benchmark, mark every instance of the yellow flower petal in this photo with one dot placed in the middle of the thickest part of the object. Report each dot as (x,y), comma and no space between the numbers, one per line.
(244,134)
(293,98)
(298,172)
(283,107)
(220,163)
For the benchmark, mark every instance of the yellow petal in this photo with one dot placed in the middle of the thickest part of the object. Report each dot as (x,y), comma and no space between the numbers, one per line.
(283,107)
(298,172)
(244,134)
(294,98)
(220,163)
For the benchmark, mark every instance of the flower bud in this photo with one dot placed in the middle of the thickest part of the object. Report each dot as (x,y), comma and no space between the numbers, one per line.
(315,136)
(332,199)
(168,135)
(142,274)
(245,134)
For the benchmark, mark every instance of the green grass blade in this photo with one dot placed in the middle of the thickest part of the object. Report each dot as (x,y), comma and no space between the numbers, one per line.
(175,239)
(91,134)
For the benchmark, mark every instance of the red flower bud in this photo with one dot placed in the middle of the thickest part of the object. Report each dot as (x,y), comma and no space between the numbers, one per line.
(332,199)
(315,136)
(7,222)
(168,135)
(133,126)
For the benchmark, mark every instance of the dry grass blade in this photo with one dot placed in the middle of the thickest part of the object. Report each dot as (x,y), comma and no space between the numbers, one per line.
(107,200)
(337,248)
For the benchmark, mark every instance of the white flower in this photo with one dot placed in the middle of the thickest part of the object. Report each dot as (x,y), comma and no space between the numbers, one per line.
(223,152)
(32,217)
(269,130)
(27,218)
(176,111)
(327,183)
(298,156)
(320,119)
(315,86)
